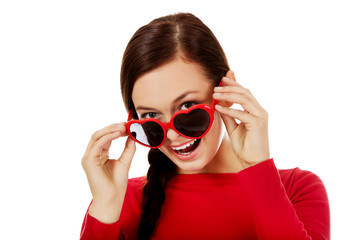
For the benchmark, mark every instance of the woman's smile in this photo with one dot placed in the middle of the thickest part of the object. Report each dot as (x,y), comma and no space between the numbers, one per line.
(187,151)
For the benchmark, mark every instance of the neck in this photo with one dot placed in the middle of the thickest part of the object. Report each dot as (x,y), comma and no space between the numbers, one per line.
(225,161)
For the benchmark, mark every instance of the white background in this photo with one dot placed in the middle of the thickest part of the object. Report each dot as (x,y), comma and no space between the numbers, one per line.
(59,71)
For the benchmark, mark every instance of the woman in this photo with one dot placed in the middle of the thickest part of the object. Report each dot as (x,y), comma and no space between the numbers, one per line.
(210,174)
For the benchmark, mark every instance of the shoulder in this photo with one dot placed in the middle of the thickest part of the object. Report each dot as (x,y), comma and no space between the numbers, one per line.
(307,193)
(300,183)
(298,176)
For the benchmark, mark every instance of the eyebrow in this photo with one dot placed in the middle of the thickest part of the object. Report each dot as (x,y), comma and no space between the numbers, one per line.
(174,101)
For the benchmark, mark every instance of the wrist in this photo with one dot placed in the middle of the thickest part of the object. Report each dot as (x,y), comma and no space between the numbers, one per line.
(247,164)
(107,212)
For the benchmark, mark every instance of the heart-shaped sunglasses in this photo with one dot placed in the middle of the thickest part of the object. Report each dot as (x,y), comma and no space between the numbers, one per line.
(192,123)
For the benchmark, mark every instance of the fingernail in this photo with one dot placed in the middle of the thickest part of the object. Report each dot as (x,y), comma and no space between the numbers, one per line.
(217,94)
(218,88)
(218,106)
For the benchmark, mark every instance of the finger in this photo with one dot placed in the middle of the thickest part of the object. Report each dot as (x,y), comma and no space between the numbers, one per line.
(230,123)
(235,114)
(107,146)
(116,127)
(231,85)
(226,81)
(243,100)
(235,89)
(128,153)
(104,156)
(108,129)
(239,90)
(98,146)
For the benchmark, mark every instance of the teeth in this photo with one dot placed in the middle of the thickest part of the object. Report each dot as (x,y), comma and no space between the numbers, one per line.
(184,146)
(185,153)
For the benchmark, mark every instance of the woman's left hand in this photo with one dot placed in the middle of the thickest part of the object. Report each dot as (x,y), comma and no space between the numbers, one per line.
(249,138)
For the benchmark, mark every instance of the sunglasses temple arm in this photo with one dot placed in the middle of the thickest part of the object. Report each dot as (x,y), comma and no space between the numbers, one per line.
(130,115)
(214,103)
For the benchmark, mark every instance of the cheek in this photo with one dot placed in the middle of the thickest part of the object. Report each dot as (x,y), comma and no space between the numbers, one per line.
(216,130)
(163,149)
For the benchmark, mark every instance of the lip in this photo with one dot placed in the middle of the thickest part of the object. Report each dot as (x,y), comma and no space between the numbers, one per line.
(188,157)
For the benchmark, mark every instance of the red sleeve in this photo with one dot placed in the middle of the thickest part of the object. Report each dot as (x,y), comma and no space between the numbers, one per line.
(93,229)
(126,227)
(292,204)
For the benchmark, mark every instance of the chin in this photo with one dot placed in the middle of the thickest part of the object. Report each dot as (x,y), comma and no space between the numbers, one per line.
(191,167)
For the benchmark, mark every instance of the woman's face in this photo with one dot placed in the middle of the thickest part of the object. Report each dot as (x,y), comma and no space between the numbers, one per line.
(175,86)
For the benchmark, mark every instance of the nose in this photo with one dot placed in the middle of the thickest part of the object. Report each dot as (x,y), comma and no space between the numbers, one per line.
(171,134)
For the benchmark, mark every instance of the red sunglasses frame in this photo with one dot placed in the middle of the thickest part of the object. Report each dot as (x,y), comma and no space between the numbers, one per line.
(165,126)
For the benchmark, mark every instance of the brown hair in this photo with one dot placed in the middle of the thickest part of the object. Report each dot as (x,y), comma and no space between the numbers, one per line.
(153,45)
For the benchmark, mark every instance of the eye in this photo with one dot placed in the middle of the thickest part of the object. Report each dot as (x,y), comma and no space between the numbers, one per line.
(148,115)
(187,105)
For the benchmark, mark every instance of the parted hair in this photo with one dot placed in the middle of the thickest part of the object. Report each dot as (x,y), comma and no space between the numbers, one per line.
(153,45)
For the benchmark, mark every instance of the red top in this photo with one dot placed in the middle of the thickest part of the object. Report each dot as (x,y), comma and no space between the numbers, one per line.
(259,202)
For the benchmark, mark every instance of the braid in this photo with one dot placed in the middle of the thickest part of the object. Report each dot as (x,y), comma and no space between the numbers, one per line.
(160,171)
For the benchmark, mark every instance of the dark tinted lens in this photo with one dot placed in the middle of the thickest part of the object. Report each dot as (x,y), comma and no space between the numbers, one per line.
(148,133)
(193,124)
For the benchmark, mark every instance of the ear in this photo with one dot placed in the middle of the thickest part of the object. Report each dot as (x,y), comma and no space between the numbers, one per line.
(230,74)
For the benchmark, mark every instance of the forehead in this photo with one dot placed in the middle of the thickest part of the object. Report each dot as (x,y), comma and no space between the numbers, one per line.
(162,85)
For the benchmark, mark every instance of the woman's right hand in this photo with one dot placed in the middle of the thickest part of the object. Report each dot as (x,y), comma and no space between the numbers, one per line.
(107,178)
